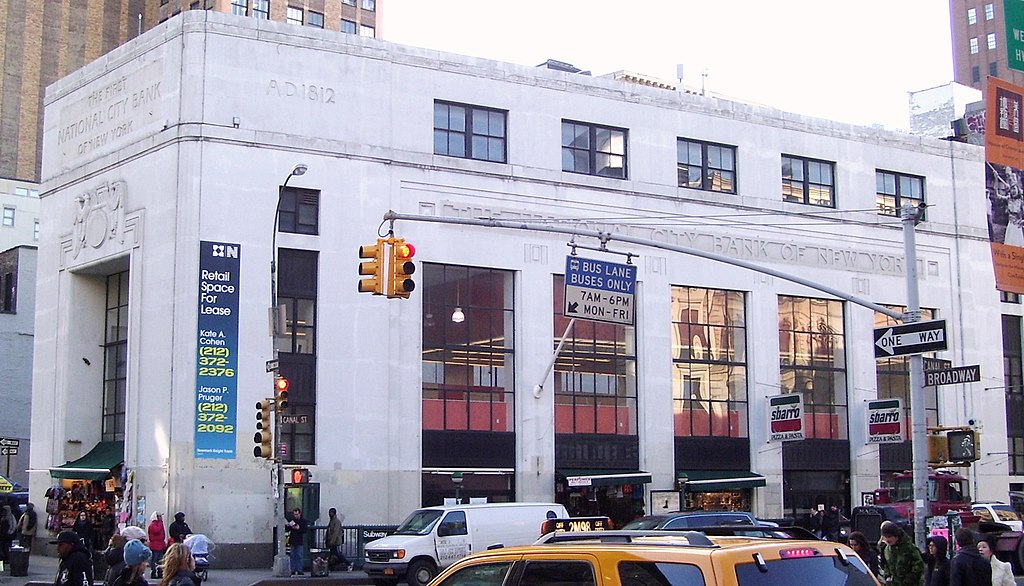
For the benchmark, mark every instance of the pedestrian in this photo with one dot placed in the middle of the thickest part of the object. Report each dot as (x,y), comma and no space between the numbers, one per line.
(335,538)
(859,543)
(75,568)
(157,542)
(903,563)
(936,571)
(830,523)
(297,540)
(968,567)
(136,560)
(1002,574)
(178,567)
(179,529)
(8,528)
(816,521)
(114,556)
(83,527)
(27,525)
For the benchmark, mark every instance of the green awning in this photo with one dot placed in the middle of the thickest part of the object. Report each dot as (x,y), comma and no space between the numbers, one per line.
(96,465)
(716,480)
(578,478)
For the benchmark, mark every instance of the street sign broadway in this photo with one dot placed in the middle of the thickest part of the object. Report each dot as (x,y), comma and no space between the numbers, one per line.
(599,290)
(786,417)
(885,421)
(910,338)
(953,376)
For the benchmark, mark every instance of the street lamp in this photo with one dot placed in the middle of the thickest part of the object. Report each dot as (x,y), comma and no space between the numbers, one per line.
(281,561)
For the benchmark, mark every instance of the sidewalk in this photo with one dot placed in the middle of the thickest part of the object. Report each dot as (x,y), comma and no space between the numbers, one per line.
(43,569)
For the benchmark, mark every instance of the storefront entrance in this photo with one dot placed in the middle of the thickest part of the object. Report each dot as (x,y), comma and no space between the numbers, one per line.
(620,496)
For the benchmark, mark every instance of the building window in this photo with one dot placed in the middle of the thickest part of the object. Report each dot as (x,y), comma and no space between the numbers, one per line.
(296,350)
(990,11)
(808,181)
(315,19)
(468,350)
(812,362)
(348,26)
(892,375)
(8,296)
(1013,373)
(705,165)
(239,7)
(299,211)
(349,2)
(593,150)
(367,31)
(35,230)
(261,9)
(369,4)
(8,218)
(595,374)
(709,369)
(193,6)
(470,132)
(974,45)
(115,358)
(975,74)
(294,15)
(1008,297)
(990,39)
(972,16)
(894,190)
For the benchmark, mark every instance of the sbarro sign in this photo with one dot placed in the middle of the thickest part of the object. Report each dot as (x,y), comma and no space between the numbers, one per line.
(885,421)
(786,417)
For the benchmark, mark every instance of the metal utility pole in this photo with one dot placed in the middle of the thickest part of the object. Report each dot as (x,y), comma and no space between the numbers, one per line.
(911,216)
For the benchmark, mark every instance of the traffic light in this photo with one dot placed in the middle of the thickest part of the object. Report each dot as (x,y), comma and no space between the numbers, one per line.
(374,268)
(401,267)
(264,441)
(963,445)
(281,393)
(300,475)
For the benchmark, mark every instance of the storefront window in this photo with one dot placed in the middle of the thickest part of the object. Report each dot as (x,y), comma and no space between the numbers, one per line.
(709,372)
(468,353)
(115,357)
(595,375)
(812,361)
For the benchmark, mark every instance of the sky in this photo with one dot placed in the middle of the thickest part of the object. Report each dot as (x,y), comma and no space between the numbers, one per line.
(851,61)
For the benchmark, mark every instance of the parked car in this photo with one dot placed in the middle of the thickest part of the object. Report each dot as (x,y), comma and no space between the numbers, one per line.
(685,520)
(663,558)
(997,512)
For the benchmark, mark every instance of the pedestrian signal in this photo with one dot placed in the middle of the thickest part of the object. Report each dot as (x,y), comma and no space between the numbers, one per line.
(400,284)
(963,445)
(300,475)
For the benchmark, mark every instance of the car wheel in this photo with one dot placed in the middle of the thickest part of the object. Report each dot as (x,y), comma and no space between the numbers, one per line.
(420,573)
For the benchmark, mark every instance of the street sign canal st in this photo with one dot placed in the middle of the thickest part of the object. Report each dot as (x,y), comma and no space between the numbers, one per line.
(910,338)
(599,290)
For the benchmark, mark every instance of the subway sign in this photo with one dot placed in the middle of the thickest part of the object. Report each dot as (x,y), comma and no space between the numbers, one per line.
(786,417)
(885,421)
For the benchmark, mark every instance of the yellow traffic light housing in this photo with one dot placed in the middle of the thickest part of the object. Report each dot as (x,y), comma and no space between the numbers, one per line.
(400,284)
(373,268)
(263,438)
(281,385)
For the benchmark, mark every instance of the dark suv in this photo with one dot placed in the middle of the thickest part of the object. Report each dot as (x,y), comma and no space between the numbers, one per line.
(692,519)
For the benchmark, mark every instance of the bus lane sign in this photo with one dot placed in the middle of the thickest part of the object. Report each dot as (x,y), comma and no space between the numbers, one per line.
(599,290)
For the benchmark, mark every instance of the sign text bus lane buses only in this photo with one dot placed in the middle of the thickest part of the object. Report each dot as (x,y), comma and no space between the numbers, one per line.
(599,290)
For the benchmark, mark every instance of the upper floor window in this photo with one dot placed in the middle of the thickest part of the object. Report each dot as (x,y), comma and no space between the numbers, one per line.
(35,230)
(705,165)
(239,7)
(470,132)
(299,211)
(972,16)
(975,74)
(369,4)
(261,9)
(349,2)
(990,39)
(315,19)
(593,149)
(348,26)
(893,190)
(974,46)
(990,11)
(8,218)
(294,15)
(808,181)
(8,296)
(366,31)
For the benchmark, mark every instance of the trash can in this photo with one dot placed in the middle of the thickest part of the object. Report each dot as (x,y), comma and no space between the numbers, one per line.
(18,559)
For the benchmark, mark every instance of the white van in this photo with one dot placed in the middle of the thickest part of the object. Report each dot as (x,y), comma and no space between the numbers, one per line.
(433,538)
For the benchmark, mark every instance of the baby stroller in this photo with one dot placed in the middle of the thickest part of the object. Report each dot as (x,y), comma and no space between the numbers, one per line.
(200,546)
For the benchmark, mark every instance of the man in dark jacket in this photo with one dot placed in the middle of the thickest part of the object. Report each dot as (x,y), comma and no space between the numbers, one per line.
(75,567)
(179,529)
(936,571)
(968,567)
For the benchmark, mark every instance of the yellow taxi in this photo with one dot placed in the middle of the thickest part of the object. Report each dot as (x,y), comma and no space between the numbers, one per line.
(663,558)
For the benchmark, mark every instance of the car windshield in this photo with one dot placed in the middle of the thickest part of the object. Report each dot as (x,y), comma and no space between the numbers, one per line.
(419,522)
(817,570)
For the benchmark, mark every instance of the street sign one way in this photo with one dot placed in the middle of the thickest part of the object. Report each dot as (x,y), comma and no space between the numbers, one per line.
(910,338)
(599,290)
